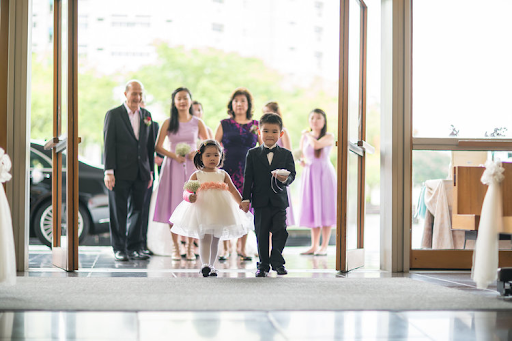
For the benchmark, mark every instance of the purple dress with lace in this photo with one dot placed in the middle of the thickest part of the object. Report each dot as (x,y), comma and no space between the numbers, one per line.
(175,174)
(237,139)
(318,189)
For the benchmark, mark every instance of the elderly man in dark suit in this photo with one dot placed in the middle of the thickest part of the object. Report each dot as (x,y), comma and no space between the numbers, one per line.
(129,145)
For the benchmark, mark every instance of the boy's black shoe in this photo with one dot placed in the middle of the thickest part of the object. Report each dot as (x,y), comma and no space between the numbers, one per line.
(261,273)
(206,271)
(281,271)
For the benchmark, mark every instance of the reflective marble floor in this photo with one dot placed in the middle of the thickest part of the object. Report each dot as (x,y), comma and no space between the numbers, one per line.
(263,325)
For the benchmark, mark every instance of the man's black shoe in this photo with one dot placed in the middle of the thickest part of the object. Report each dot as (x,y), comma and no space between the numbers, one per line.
(281,271)
(146,252)
(121,256)
(135,255)
(261,273)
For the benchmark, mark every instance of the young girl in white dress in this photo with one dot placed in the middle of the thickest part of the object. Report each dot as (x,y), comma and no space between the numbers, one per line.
(212,213)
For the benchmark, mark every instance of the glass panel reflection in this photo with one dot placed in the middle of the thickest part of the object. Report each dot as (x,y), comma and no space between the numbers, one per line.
(64,117)
(353,199)
(354,51)
(448,196)
(461,70)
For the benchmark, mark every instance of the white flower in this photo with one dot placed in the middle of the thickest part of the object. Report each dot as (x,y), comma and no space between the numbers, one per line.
(182,149)
(5,166)
(493,172)
(192,185)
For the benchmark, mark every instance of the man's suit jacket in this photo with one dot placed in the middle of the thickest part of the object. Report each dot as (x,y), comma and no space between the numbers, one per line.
(123,153)
(258,175)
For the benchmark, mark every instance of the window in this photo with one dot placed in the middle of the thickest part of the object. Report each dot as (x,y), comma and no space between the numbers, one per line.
(218,27)
(39,161)
(462,68)
(319,57)
(318,33)
(319,6)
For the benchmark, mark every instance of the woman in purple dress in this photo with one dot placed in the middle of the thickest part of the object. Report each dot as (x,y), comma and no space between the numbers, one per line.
(286,142)
(181,127)
(237,134)
(318,183)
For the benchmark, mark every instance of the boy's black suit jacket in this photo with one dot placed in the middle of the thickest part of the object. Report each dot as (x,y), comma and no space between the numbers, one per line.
(257,177)
(126,155)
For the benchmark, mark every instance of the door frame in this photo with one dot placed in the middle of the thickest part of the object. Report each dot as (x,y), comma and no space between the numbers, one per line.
(346,259)
(65,256)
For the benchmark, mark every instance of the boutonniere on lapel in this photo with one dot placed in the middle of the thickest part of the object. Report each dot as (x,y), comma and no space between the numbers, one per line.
(254,129)
(147,121)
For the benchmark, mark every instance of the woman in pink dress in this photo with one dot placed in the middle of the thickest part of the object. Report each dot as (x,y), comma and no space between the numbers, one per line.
(181,127)
(318,183)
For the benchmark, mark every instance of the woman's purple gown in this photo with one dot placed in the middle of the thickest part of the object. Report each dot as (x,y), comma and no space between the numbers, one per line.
(237,139)
(318,189)
(174,174)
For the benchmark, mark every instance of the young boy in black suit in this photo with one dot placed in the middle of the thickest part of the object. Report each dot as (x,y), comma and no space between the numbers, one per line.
(268,169)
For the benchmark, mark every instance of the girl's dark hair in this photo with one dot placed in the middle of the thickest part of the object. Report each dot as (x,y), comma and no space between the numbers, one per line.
(196,102)
(318,152)
(247,94)
(274,107)
(174,124)
(198,158)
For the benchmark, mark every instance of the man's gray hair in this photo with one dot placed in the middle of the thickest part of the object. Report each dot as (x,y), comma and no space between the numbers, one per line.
(129,84)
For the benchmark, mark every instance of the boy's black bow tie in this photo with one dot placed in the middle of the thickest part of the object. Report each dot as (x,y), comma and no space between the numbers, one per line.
(267,150)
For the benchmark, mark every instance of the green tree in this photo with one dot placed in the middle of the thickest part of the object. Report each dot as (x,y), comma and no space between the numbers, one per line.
(41,118)
(427,165)
(211,75)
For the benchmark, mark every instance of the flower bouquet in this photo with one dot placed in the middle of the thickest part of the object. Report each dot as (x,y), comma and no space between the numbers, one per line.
(182,149)
(5,166)
(192,186)
(297,155)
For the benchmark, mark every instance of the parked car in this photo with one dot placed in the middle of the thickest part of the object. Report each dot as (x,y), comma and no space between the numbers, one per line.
(93,215)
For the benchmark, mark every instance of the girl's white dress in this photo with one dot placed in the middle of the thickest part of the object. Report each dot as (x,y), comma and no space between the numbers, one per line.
(214,212)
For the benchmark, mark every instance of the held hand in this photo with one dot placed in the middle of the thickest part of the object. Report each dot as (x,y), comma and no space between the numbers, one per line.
(244,206)
(282,178)
(192,198)
(180,159)
(303,163)
(110,181)
(159,160)
(150,181)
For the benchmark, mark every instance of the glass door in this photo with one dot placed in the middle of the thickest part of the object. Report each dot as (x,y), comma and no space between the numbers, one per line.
(460,121)
(352,135)
(64,143)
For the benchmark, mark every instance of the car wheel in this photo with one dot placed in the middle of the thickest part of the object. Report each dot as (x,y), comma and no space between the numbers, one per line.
(43,224)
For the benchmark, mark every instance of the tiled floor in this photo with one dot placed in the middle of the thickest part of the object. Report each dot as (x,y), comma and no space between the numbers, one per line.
(264,325)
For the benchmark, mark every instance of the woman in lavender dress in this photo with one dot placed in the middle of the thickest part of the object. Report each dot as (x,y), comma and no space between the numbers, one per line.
(285,142)
(181,127)
(237,134)
(318,183)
